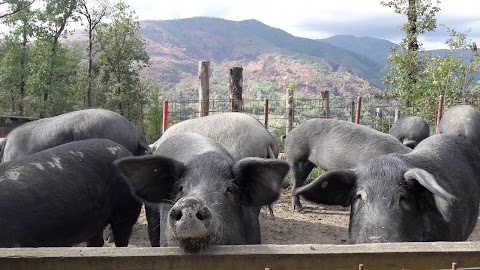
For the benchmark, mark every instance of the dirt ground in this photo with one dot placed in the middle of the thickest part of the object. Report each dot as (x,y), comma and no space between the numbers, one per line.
(315,224)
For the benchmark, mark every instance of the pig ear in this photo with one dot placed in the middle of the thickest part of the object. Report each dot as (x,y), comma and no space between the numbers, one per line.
(259,179)
(151,178)
(332,187)
(443,199)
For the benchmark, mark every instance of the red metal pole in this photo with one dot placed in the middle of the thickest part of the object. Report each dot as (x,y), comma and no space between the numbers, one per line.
(165,115)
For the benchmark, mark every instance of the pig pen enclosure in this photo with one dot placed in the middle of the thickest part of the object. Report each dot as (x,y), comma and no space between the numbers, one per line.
(314,238)
(315,224)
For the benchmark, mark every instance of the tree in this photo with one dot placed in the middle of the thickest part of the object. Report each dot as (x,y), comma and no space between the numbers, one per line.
(55,17)
(15,8)
(153,108)
(452,74)
(121,57)
(94,12)
(405,62)
(416,76)
(16,56)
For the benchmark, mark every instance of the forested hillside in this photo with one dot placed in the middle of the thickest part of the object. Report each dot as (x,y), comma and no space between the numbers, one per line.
(270,58)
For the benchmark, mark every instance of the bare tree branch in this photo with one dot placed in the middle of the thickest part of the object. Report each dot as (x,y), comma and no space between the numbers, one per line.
(18,9)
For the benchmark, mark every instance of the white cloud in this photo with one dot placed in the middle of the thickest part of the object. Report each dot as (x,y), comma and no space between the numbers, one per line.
(318,19)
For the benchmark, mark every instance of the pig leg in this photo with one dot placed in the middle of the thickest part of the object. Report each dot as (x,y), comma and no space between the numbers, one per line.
(121,233)
(252,224)
(301,170)
(153,220)
(96,240)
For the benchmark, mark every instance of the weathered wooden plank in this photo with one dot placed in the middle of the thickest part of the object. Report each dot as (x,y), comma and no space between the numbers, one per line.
(438,255)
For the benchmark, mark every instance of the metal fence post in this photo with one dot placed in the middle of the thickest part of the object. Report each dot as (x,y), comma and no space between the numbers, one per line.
(165,116)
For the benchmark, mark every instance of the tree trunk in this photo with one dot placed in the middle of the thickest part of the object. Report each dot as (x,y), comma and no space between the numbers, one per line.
(412,26)
(23,64)
(90,63)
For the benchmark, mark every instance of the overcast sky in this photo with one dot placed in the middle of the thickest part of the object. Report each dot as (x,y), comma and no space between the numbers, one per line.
(318,18)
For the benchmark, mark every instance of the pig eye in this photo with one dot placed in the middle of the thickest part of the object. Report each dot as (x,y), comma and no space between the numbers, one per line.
(404,202)
(180,188)
(229,193)
(360,195)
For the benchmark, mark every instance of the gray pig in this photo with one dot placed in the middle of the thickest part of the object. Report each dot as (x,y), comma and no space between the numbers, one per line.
(430,194)
(207,188)
(333,144)
(66,195)
(410,130)
(240,134)
(462,120)
(46,133)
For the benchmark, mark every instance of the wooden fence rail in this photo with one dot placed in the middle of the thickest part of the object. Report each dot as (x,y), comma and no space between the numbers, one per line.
(434,255)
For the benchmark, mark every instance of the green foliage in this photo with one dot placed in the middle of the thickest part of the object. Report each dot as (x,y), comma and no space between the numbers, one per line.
(263,89)
(153,108)
(41,76)
(415,76)
(122,55)
(314,174)
(56,77)
(405,63)
(12,73)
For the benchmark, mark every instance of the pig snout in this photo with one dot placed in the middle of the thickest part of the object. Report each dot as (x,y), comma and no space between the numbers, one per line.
(190,218)
(376,239)
(380,234)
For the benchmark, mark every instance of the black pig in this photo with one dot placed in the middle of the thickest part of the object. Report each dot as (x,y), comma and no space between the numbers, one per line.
(430,194)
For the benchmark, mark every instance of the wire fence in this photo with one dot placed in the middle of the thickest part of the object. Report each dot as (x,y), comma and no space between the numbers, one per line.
(376,113)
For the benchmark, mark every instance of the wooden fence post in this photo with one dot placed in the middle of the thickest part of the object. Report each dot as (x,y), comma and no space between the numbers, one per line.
(236,88)
(265,113)
(289,107)
(439,112)
(397,114)
(203,90)
(352,111)
(326,103)
(359,109)
(379,119)
(165,116)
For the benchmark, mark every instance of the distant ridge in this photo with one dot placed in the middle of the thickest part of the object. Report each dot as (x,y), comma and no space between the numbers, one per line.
(269,57)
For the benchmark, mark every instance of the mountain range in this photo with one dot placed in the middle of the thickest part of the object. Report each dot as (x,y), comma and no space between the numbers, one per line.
(271,59)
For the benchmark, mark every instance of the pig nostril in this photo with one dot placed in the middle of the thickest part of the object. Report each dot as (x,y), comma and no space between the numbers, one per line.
(177,215)
(203,214)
